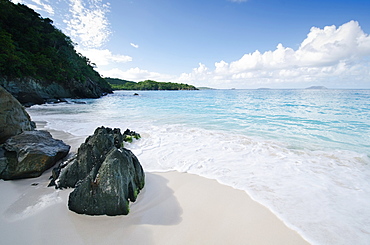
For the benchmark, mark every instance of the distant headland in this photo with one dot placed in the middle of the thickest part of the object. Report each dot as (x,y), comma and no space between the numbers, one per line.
(317,87)
(120,84)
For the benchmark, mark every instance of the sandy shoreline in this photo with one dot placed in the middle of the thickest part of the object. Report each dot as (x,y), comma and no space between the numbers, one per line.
(173,208)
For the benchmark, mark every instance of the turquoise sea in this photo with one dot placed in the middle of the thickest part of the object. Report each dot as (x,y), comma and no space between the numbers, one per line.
(305,154)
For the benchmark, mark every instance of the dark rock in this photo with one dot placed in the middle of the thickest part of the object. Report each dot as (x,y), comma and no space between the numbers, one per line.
(105,175)
(118,180)
(56,101)
(30,91)
(13,117)
(136,94)
(29,154)
(90,156)
(79,102)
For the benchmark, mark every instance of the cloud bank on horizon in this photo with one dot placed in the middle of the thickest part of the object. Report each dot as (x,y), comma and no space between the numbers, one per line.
(326,56)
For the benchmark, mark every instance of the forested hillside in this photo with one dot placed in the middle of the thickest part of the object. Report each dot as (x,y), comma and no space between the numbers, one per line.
(33,52)
(119,84)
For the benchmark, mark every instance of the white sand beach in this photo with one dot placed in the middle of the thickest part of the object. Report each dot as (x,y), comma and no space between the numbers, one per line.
(173,208)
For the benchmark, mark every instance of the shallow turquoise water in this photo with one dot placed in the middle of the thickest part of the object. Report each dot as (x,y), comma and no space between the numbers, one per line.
(303,118)
(302,153)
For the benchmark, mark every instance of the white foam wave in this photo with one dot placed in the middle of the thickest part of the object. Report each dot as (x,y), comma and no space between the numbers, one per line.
(307,189)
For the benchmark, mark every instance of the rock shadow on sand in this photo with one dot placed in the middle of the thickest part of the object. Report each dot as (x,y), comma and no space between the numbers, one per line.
(156,206)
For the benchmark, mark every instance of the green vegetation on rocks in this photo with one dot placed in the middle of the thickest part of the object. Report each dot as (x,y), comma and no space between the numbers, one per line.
(129,136)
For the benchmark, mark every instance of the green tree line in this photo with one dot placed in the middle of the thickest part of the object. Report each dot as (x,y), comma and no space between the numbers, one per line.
(118,84)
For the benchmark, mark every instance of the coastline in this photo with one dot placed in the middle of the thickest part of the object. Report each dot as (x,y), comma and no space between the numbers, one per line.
(173,208)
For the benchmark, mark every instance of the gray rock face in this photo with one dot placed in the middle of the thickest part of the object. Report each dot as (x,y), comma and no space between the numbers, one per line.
(105,175)
(90,156)
(109,191)
(13,117)
(30,91)
(29,154)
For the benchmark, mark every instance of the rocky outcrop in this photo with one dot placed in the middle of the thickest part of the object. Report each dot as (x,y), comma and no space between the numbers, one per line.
(117,181)
(29,154)
(25,153)
(13,117)
(105,175)
(30,91)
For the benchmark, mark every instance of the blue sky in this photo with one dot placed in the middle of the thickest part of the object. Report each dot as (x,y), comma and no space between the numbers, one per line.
(221,43)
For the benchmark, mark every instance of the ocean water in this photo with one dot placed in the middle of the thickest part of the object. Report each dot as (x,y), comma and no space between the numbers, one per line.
(304,154)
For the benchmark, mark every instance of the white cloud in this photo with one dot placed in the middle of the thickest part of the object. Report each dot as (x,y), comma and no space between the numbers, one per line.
(134,45)
(86,20)
(37,5)
(330,45)
(326,54)
(87,23)
(103,57)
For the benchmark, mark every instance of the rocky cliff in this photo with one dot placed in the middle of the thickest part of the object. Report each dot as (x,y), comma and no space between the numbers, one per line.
(30,91)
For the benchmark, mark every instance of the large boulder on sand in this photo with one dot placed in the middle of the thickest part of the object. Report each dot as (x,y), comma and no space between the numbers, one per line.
(29,154)
(105,175)
(119,179)
(13,117)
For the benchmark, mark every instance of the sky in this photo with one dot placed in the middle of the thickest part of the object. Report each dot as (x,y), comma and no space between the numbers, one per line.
(243,44)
